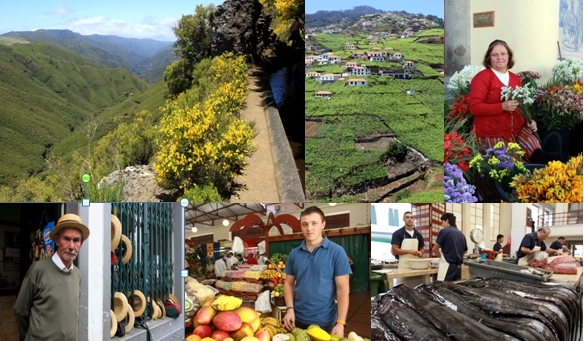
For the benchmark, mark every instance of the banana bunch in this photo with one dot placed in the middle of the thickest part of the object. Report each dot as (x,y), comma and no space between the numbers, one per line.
(272,326)
(269,274)
(226,303)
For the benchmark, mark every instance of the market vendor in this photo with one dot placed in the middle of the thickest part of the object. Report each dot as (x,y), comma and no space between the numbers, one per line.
(47,307)
(231,260)
(316,272)
(220,266)
(407,241)
(251,260)
(452,244)
(533,242)
(498,247)
(559,245)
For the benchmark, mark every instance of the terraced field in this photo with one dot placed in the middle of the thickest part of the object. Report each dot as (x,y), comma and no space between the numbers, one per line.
(347,136)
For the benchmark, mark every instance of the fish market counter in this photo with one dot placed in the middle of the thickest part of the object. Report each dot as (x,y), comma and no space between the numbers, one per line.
(571,281)
(395,273)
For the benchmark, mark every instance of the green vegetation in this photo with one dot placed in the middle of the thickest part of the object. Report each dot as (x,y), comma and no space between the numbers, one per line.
(47,95)
(334,164)
(436,195)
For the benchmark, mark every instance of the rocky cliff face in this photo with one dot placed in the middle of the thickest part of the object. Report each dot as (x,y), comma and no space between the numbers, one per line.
(240,26)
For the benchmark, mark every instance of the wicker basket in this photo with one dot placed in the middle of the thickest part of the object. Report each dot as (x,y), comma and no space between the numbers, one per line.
(279,301)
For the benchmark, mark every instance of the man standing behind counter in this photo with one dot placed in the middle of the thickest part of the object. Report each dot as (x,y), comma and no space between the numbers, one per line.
(406,232)
(47,307)
(453,245)
(533,242)
(559,245)
(321,270)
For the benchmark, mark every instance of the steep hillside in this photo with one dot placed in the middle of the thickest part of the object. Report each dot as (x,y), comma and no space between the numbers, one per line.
(152,69)
(324,18)
(128,53)
(46,94)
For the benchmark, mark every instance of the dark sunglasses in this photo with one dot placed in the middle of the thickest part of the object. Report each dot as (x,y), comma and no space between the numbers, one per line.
(497,41)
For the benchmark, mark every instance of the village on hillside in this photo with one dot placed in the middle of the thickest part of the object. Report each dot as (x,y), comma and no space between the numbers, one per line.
(371,83)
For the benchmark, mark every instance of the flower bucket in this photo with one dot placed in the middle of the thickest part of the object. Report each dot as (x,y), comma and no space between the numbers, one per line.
(556,144)
(505,188)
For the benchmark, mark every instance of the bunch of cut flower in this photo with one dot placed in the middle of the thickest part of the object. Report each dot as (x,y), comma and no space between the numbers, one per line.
(568,70)
(456,151)
(560,107)
(456,189)
(500,162)
(524,95)
(459,115)
(460,81)
(557,182)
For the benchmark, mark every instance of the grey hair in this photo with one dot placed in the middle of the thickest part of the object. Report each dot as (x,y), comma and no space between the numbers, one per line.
(544,229)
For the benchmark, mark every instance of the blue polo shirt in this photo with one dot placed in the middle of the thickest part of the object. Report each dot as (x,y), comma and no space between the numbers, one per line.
(530,241)
(398,237)
(556,245)
(497,247)
(315,287)
(453,244)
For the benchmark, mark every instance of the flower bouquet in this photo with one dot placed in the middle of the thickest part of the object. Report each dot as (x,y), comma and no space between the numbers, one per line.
(500,162)
(456,189)
(458,116)
(528,78)
(456,151)
(524,95)
(556,182)
(560,107)
(460,81)
(568,70)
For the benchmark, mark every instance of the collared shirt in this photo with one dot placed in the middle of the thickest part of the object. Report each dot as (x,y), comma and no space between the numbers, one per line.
(57,260)
(315,287)
(497,246)
(398,236)
(453,244)
(530,241)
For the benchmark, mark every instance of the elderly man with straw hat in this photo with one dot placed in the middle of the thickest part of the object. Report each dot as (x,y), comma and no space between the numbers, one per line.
(47,307)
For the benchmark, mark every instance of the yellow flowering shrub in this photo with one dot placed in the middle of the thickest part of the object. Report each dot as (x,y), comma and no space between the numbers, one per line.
(206,143)
(556,182)
(577,88)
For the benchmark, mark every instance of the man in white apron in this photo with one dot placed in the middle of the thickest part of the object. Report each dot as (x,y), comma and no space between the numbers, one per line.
(450,246)
(407,243)
(533,242)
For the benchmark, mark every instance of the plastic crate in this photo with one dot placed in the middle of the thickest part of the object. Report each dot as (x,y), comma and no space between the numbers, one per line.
(494,269)
(378,284)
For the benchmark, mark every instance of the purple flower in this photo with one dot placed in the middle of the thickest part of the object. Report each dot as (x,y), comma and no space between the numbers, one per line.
(456,189)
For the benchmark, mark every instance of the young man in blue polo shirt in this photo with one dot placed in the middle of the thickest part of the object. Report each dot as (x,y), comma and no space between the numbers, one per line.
(316,272)
(407,231)
(453,245)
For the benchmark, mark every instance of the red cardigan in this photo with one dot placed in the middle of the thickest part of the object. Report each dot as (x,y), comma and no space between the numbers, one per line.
(487,108)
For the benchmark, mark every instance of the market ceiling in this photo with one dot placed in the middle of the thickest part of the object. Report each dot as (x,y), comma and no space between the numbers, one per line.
(207,214)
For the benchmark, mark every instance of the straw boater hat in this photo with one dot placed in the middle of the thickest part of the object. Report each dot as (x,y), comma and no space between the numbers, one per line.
(70,220)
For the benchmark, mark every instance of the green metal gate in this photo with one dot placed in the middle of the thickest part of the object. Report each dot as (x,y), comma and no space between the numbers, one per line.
(149,227)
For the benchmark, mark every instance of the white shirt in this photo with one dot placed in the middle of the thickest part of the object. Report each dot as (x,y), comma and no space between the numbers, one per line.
(230,261)
(411,233)
(57,260)
(503,77)
(219,267)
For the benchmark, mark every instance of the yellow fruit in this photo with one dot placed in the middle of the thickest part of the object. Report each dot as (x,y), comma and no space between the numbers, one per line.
(193,337)
(276,294)
(318,334)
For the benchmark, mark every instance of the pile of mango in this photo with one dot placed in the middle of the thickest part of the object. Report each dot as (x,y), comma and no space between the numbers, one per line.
(315,333)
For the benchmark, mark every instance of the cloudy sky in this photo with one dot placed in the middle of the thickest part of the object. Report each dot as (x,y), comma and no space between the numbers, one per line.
(434,7)
(124,18)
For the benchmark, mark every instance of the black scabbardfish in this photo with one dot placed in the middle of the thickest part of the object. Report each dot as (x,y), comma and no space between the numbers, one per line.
(455,325)
(407,324)
(381,332)
(442,295)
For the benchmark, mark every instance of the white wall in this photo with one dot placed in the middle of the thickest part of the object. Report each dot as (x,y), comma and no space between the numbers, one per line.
(530,28)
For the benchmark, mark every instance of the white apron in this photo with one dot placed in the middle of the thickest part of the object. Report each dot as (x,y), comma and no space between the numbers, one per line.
(499,257)
(442,267)
(404,265)
(523,260)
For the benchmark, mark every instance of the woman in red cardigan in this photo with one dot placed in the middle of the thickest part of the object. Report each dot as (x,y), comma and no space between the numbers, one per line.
(494,120)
